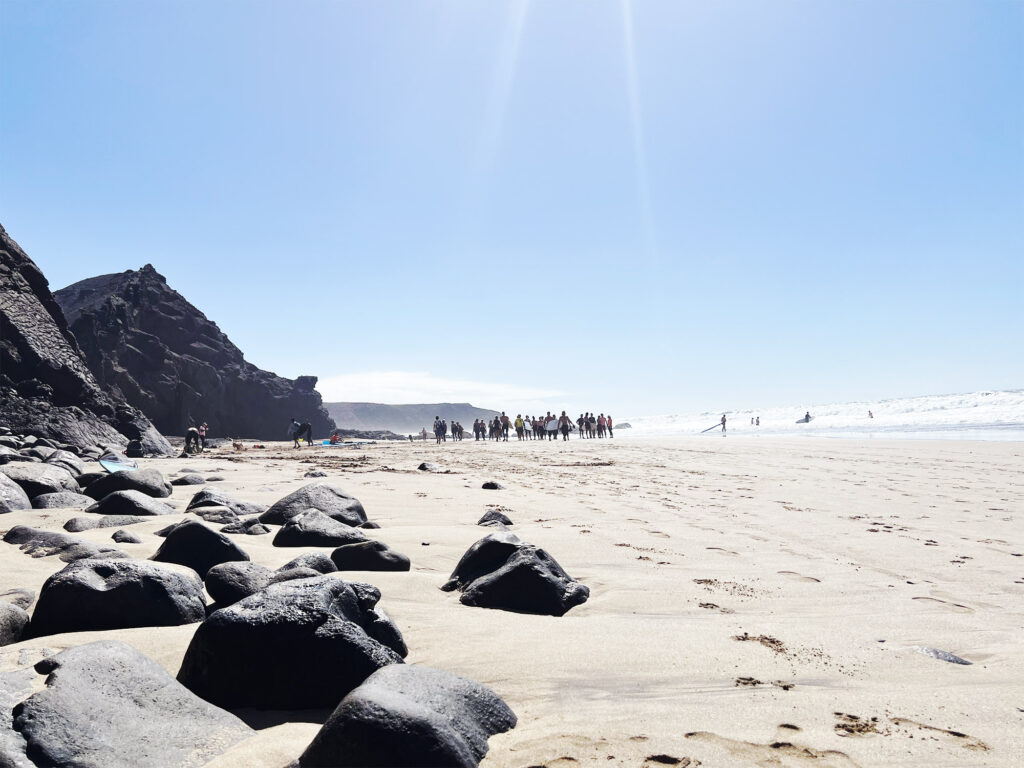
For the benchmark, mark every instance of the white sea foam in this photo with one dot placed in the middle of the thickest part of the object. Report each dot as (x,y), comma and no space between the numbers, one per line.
(988,415)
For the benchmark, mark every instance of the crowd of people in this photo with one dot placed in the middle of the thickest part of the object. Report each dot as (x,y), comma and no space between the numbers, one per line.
(527,427)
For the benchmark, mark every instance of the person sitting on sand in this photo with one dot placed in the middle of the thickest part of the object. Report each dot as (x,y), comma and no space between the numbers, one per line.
(336,438)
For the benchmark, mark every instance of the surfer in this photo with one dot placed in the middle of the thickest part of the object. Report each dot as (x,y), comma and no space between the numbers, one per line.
(563,424)
(807,416)
(723,422)
(871,415)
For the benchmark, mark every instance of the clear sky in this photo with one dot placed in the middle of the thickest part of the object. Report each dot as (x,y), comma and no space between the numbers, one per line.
(636,207)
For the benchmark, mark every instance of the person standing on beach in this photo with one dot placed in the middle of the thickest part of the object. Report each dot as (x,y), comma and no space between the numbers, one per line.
(192,440)
(608,424)
(504,427)
(437,429)
(563,425)
(519,426)
(202,435)
(723,423)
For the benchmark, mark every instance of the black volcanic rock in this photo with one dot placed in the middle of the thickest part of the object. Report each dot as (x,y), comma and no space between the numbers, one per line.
(311,641)
(94,594)
(147,344)
(46,388)
(501,571)
(410,716)
(328,499)
(106,704)
(200,548)
(147,481)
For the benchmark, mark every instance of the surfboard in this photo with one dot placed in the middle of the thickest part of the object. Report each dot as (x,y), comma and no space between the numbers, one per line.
(804,420)
(114,463)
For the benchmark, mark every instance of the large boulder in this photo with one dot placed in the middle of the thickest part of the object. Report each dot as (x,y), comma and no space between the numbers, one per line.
(134,503)
(147,481)
(200,548)
(47,388)
(328,499)
(228,583)
(210,497)
(115,594)
(12,495)
(309,640)
(313,528)
(38,478)
(62,500)
(410,716)
(146,343)
(500,571)
(494,517)
(105,704)
(39,543)
(369,556)
(13,620)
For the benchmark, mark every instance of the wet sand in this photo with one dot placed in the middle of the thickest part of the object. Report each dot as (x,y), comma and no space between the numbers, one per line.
(753,601)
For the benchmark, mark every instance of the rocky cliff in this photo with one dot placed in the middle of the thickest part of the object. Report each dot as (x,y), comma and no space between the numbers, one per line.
(144,341)
(46,388)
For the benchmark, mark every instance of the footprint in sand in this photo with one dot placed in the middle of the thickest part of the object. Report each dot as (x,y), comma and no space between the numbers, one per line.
(724,551)
(799,577)
(954,607)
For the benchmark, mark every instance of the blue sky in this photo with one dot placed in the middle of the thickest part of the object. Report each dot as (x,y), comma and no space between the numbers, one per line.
(640,208)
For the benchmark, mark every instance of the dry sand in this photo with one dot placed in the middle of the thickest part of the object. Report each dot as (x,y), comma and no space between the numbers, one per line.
(832,560)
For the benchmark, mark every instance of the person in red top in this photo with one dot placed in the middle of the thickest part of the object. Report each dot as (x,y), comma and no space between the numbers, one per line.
(608,424)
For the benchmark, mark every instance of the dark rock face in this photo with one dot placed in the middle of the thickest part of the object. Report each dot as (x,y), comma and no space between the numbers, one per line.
(314,634)
(149,345)
(12,495)
(332,501)
(494,516)
(410,716)
(500,571)
(228,583)
(132,503)
(313,528)
(369,556)
(47,388)
(147,481)
(39,543)
(115,594)
(209,497)
(200,548)
(13,620)
(62,500)
(108,705)
(37,478)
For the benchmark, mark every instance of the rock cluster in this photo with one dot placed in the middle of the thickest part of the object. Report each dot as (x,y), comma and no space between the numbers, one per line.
(143,341)
(46,388)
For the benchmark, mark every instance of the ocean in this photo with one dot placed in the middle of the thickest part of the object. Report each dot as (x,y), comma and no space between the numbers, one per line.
(986,415)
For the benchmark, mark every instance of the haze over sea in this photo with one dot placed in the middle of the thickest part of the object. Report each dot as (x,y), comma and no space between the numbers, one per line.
(985,415)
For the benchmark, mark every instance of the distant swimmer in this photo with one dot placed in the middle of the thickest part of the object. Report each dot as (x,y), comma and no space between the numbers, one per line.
(871,415)
(757,422)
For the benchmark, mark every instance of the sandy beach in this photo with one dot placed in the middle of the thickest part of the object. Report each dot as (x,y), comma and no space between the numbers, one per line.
(753,601)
